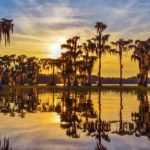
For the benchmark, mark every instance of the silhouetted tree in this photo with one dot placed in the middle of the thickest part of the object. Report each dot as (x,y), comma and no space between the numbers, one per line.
(121,46)
(89,49)
(101,41)
(142,55)
(6,27)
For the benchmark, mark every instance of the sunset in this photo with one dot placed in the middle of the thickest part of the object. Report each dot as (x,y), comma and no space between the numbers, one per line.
(74,74)
(41,26)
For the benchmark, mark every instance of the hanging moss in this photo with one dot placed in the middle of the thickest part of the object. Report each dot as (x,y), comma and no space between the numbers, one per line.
(6,28)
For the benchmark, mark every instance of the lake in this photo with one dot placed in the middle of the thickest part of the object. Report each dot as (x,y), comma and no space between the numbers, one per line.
(41,119)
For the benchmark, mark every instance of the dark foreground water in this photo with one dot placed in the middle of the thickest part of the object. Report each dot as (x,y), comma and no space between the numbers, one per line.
(70,120)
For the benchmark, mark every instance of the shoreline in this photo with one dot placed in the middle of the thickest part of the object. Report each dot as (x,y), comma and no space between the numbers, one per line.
(79,88)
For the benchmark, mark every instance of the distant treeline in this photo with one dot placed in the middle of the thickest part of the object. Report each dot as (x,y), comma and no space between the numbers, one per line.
(44,79)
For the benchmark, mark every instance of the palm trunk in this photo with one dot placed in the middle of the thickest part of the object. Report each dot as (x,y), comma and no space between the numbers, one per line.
(69,82)
(86,71)
(75,77)
(75,80)
(145,78)
(69,74)
(121,66)
(53,80)
(100,57)
(75,129)
(139,79)
(22,79)
(139,75)
(64,75)
(99,72)
(89,80)
(53,100)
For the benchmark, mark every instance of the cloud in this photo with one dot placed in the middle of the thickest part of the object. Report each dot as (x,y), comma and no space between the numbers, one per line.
(45,16)
(40,24)
(37,18)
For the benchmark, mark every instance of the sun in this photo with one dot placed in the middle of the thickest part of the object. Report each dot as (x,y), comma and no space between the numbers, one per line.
(55,48)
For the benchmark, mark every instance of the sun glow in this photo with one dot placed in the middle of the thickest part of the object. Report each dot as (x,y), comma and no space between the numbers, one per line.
(55,48)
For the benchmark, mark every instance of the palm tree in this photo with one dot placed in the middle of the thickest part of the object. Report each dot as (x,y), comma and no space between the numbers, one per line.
(68,55)
(33,68)
(21,69)
(88,49)
(101,41)
(14,69)
(76,53)
(48,63)
(54,63)
(73,52)
(120,47)
(82,71)
(6,67)
(12,59)
(142,55)
(6,27)
(62,68)
(91,61)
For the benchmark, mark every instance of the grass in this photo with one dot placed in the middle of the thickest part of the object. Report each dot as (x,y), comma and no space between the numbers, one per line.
(4,145)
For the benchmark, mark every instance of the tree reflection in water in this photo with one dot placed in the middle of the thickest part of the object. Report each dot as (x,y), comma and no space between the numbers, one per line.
(142,118)
(69,118)
(78,115)
(20,102)
(101,127)
(125,128)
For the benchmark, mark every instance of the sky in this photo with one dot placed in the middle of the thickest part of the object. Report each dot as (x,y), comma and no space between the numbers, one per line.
(41,26)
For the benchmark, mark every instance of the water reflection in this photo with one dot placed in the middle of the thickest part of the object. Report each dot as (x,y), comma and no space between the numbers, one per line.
(142,118)
(125,128)
(19,102)
(80,113)
(4,144)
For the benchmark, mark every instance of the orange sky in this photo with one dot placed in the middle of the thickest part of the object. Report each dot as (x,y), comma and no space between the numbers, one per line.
(40,28)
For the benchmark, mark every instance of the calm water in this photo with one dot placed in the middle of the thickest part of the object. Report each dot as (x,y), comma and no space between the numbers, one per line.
(43,120)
